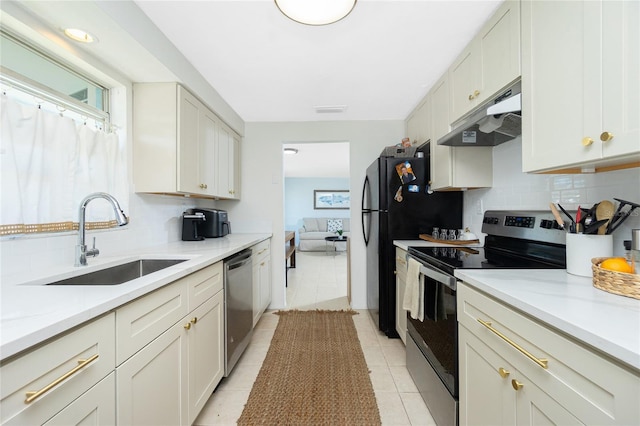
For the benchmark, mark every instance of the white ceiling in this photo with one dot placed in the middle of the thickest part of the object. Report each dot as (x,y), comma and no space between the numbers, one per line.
(379,61)
(317,160)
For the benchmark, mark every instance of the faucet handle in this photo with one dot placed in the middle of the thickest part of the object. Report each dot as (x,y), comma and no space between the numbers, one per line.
(93,252)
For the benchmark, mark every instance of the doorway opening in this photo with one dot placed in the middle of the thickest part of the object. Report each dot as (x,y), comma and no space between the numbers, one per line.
(312,172)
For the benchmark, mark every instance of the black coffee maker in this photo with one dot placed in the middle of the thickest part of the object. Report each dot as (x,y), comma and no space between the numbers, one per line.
(192,222)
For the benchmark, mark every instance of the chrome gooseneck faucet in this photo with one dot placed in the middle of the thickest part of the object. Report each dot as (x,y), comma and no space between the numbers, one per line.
(81,248)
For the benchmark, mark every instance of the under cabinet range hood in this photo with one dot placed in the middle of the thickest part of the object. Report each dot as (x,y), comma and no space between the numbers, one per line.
(492,123)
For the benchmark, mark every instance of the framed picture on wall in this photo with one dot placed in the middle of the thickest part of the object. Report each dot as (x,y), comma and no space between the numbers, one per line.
(331,199)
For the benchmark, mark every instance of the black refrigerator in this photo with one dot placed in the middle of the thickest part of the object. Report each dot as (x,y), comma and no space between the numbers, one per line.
(397,204)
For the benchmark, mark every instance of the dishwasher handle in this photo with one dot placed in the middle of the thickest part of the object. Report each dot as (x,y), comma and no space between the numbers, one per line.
(238,260)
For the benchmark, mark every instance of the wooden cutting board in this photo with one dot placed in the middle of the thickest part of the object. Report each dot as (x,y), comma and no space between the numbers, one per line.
(452,242)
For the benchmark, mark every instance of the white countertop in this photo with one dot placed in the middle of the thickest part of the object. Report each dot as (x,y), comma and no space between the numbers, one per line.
(32,312)
(607,322)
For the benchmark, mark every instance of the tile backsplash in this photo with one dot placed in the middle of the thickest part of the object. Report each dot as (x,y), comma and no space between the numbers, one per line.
(515,190)
(154,220)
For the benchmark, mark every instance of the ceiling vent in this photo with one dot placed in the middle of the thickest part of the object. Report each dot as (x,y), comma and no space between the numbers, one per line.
(330,109)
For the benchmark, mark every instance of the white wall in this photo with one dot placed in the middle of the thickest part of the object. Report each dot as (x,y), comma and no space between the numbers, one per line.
(513,189)
(261,208)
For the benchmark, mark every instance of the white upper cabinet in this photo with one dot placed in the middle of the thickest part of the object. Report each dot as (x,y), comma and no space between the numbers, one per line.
(489,63)
(180,145)
(418,124)
(454,167)
(581,84)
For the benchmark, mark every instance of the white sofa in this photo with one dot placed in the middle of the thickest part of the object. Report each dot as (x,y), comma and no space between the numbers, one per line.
(315,229)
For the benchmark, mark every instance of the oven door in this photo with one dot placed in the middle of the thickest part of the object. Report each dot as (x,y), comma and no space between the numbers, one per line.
(437,335)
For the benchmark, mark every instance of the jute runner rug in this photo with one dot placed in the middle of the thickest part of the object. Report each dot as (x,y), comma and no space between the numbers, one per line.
(314,374)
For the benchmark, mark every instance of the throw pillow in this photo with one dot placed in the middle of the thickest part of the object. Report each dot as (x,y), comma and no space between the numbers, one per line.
(334,225)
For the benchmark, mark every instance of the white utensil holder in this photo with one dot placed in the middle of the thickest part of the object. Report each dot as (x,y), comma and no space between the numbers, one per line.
(581,248)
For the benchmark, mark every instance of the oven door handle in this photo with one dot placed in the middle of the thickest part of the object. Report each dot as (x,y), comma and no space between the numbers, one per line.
(440,277)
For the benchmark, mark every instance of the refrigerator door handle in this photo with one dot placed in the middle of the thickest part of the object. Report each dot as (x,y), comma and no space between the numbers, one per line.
(365,211)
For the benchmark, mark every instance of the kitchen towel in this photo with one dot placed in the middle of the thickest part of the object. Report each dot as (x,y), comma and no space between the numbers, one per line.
(414,291)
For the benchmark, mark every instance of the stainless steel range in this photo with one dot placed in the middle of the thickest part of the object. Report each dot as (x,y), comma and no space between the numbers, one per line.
(515,239)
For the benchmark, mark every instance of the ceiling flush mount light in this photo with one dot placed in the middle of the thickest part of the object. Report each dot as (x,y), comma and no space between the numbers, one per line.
(79,35)
(290,151)
(315,12)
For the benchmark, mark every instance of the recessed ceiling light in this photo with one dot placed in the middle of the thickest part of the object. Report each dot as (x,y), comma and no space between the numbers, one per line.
(315,12)
(290,151)
(79,35)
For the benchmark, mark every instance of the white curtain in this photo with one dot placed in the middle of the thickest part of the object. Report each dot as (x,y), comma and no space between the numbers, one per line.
(50,163)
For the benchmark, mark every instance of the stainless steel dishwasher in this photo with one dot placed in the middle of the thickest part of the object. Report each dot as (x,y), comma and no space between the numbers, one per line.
(238,307)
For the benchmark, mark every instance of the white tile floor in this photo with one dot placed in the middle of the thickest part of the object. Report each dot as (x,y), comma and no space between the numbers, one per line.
(319,281)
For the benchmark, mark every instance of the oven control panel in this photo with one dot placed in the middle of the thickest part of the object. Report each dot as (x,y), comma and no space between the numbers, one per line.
(537,225)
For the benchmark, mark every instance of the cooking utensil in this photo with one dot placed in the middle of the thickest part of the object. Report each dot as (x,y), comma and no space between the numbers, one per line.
(620,216)
(604,211)
(572,227)
(593,228)
(556,214)
(578,218)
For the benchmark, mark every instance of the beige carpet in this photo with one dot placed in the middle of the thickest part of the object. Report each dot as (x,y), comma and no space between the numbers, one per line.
(314,374)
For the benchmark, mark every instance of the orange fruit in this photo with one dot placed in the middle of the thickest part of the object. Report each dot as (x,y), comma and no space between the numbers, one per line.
(618,264)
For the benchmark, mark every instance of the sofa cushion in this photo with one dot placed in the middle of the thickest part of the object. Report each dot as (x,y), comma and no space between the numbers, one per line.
(334,225)
(310,224)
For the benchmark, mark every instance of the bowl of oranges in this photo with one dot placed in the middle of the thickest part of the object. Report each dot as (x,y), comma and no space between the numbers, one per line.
(616,275)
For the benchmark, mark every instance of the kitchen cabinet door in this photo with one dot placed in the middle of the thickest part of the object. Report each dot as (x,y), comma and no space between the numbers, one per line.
(487,397)
(189,138)
(401,284)
(206,352)
(152,386)
(418,124)
(228,163)
(489,63)
(580,64)
(261,260)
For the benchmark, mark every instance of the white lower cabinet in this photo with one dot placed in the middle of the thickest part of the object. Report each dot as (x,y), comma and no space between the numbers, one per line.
(169,380)
(515,370)
(152,384)
(401,284)
(261,260)
(206,352)
(39,384)
(96,407)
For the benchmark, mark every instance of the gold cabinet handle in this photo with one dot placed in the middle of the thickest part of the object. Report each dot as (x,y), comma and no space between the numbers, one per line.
(470,97)
(476,93)
(542,362)
(503,373)
(586,141)
(262,264)
(516,384)
(606,136)
(82,363)
(187,326)
(194,320)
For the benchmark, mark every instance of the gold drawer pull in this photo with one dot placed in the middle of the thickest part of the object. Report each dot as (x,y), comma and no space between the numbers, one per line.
(542,362)
(82,363)
(516,384)
(194,320)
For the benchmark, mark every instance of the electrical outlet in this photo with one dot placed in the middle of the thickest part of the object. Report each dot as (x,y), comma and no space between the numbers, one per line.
(479,207)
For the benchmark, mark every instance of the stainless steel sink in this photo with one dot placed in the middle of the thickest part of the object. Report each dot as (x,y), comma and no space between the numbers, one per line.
(120,273)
